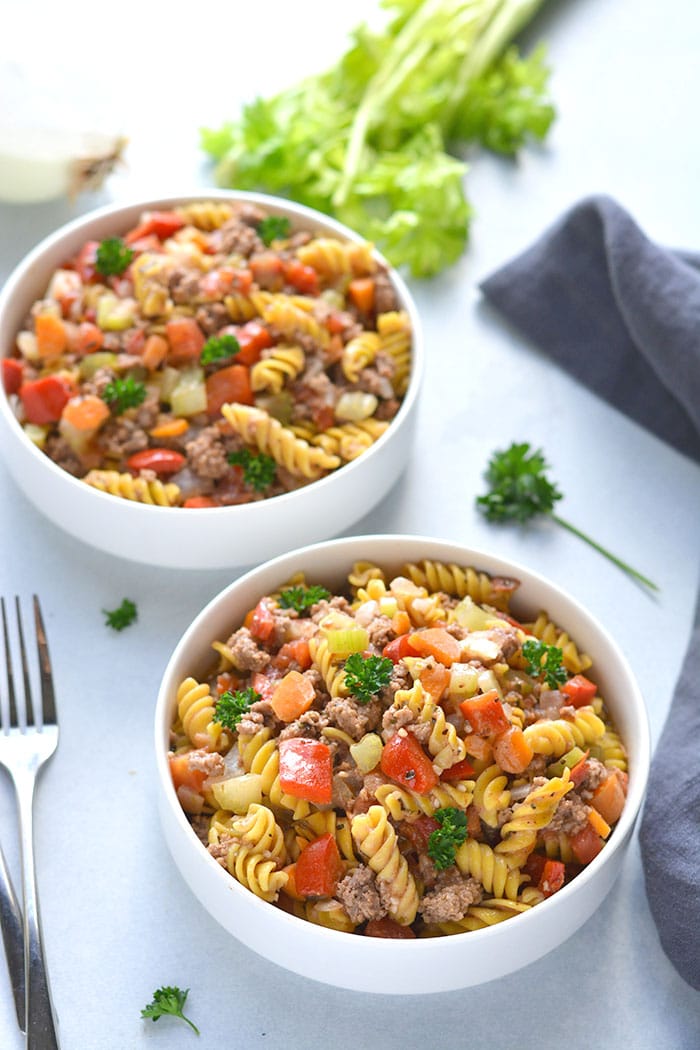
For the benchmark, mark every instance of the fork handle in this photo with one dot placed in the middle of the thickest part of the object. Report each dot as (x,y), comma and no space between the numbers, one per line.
(13,939)
(40,1025)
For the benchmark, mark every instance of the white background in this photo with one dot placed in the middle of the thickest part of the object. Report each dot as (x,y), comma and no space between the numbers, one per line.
(118,919)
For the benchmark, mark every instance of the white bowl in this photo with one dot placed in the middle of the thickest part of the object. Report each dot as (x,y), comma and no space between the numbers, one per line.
(196,538)
(369,964)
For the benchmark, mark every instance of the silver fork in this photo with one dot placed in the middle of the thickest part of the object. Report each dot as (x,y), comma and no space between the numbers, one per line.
(25,745)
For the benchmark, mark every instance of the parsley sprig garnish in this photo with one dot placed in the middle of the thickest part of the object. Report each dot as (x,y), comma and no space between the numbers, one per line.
(545,660)
(170,1001)
(112,257)
(230,707)
(120,618)
(302,598)
(219,348)
(259,469)
(445,840)
(520,490)
(121,394)
(273,228)
(366,675)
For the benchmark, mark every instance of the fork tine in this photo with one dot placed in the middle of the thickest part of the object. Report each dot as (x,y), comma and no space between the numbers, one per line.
(48,697)
(8,667)
(28,703)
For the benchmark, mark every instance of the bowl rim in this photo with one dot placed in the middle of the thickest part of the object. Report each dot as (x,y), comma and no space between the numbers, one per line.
(621,831)
(277,205)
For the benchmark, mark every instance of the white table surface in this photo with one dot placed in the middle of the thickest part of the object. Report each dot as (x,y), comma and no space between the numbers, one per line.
(118,919)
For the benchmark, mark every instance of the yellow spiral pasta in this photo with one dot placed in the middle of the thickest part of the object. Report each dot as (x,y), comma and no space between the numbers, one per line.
(519,834)
(293,319)
(394,330)
(240,308)
(558,735)
(282,364)
(614,755)
(195,707)
(358,353)
(376,840)
(491,794)
(260,754)
(362,572)
(328,666)
(492,871)
(333,259)
(401,803)
(557,846)
(330,914)
(150,272)
(206,215)
(155,493)
(347,441)
(548,632)
(259,428)
(444,743)
(455,580)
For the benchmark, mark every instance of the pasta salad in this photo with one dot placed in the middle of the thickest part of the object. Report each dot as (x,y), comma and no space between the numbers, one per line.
(401,759)
(212,355)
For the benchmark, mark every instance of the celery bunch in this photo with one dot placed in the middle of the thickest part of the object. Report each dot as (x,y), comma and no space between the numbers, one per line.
(373,140)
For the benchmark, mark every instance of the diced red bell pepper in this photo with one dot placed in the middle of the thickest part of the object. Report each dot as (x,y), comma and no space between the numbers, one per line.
(552,877)
(160,460)
(485,714)
(389,929)
(44,399)
(534,866)
(293,652)
(397,648)
(459,771)
(162,223)
(198,502)
(579,690)
(228,385)
(86,261)
(253,338)
(306,769)
(12,374)
(302,277)
(586,844)
(268,271)
(260,621)
(263,685)
(319,868)
(405,761)
(578,772)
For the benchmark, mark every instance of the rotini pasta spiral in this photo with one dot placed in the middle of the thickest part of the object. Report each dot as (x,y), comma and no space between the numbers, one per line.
(455,580)
(376,840)
(491,794)
(401,803)
(259,428)
(334,259)
(327,664)
(255,852)
(155,493)
(557,736)
(347,441)
(206,215)
(195,708)
(547,632)
(395,334)
(358,353)
(612,749)
(282,364)
(491,870)
(260,754)
(519,834)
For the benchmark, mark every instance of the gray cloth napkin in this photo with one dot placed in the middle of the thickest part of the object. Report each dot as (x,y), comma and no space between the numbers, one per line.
(622,315)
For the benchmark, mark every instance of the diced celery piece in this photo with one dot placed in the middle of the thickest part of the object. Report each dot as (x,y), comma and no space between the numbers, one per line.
(367,752)
(348,640)
(596,752)
(91,363)
(189,397)
(168,379)
(470,615)
(388,605)
(567,761)
(115,314)
(464,681)
(36,434)
(487,680)
(280,406)
(238,793)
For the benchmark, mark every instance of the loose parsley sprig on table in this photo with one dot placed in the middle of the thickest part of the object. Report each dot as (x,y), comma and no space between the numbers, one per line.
(366,675)
(273,228)
(112,257)
(218,348)
(121,394)
(167,1000)
(543,659)
(259,469)
(120,618)
(445,840)
(302,598)
(520,490)
(230,707)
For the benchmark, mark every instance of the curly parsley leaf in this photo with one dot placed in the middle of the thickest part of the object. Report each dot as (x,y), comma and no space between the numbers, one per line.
(122,617)
(219,348)
(230,707)
(121,394)
(445,840)
(259,469)
(520,490)
(366,675)
(112,257)
(168,1001)
(545,660)
(273,228)
(302,598)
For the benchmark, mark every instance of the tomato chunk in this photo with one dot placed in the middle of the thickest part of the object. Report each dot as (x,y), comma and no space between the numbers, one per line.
(306,769)
(586,844)
(12,374)
(44,399)
(389,929)
(186,339)
(459,771)
(405,761)
(396,649)
(162,223)
(580,690)
(160,460)
(319,868)
(302,277)
(485,714)
(552,877)
(231,384)
(253,338)
(197,502)
(260,621)
(293,652)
